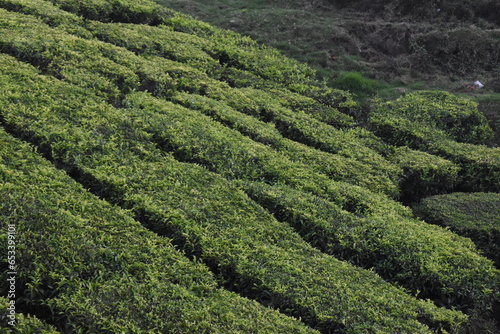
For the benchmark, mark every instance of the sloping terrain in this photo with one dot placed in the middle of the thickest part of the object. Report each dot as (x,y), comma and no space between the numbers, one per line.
(159,174)
(381,47)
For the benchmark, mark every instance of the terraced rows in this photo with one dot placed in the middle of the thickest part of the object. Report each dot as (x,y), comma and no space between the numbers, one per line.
(445,125)
(201,211)
(92,265)
(226,150)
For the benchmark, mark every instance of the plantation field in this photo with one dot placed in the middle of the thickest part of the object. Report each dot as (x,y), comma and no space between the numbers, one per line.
(161,175)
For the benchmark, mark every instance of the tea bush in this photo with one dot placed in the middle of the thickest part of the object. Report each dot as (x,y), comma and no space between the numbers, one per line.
(23,323)
(164,118)
(424,174)
(474,215)
(442,124)
(400,249)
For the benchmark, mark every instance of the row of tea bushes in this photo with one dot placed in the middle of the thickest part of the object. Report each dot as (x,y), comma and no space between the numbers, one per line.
(194,51)
(222,54)
(160,41)
(226,47)
(202,213)
(423,174)
(106,69)
(438,113)
(355,143)
(480,165)
(48,13)
(22,323)
(110,70)
(335,166)
(405,250)
(89,266)
(120,71)
(445,125)
(474,215)
(194,137)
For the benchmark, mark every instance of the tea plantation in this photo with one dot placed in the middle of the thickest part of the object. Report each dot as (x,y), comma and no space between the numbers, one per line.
(161,175)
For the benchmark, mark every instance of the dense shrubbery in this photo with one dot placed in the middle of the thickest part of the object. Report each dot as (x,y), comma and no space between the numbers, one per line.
(335,166)
(170,118)
(445,125)
(202,212)
(399,249)
(96,269)
(475,215)
(424,174)
(438,115)
(24,324)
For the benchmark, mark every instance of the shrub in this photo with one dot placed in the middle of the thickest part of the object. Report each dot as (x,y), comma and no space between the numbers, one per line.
(427,260)
(87,265)
(336,167)
(356,83)
(23,323)
(424,174)
(440,114)
(474,215)
(434,122)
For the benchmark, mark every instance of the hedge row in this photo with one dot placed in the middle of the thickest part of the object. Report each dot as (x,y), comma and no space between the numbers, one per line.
(106,69)
(110,70)
(96,269)
(355,143)
(210,218)
(194,51)
(480,165)
(222,54)
(445,125)
(335,166)
(120,71)
(161,41)
(424,174)
(474,215)
(427,259)
(441,113)
(23,324)
(227,47)
(194,137)
(49,14)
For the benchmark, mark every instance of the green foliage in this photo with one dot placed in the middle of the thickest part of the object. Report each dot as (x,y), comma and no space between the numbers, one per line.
(48,13)
(445,125)
(408,251)
(81,257)
(356,83)
(199,210)
(475,215)
(439,113)
(424,174)
(118,92)
(23,323)
(336,167)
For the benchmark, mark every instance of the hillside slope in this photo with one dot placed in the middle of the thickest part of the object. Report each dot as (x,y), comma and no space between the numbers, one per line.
(159,174)
(377,47)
